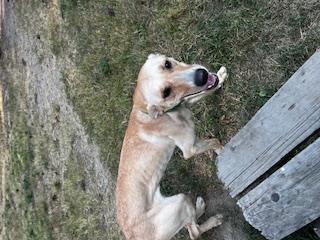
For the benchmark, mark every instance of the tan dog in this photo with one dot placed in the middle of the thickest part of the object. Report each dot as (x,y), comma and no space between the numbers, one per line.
(159,121)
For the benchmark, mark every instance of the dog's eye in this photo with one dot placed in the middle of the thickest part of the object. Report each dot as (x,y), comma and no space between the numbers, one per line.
(166,92)
(168,64)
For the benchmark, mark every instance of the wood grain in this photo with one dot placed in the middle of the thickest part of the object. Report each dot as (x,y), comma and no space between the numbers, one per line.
(289,117)
(289,199)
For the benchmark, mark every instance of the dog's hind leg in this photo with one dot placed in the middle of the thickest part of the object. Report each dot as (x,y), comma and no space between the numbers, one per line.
(196,230)
(212,222)
(171,215)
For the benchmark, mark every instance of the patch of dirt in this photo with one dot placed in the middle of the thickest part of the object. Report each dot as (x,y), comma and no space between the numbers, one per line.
(234,225)
(61,168)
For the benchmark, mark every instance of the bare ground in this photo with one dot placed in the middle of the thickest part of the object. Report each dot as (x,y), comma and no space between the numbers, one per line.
(56,185)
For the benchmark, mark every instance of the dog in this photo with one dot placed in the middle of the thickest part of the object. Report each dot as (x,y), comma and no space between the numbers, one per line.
(159,121)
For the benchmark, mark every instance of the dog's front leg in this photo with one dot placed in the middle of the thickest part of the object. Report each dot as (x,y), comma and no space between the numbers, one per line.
(201,146)
(190,146)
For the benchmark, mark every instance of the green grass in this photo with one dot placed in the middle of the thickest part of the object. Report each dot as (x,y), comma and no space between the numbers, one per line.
(128,37)
(23,174)
(260,43)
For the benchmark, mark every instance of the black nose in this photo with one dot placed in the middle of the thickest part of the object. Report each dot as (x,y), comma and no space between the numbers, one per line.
(201,77)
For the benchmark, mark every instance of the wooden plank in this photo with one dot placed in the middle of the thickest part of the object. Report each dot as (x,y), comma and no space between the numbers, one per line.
(289,199)
(289,117)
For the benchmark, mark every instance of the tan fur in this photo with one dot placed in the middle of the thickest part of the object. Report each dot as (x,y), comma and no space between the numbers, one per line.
(143,213)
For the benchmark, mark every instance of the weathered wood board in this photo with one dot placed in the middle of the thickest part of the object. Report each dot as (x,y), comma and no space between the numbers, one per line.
(289,117)
(289,198)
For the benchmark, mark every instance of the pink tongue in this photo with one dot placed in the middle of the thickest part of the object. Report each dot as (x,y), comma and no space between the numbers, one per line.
(212,78)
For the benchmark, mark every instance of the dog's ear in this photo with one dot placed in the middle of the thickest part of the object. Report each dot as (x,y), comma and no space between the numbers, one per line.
(152,55)
(155,111)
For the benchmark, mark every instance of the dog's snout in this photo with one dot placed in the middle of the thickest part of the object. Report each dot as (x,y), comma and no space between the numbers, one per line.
(201,77)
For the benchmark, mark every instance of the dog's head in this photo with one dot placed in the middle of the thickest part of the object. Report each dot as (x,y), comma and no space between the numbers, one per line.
(164,82)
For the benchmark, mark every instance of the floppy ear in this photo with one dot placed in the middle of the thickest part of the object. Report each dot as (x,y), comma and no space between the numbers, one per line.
(155,111)
(152,55)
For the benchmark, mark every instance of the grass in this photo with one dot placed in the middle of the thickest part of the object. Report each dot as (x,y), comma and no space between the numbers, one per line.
(261,43)
(125,41)
(23,174)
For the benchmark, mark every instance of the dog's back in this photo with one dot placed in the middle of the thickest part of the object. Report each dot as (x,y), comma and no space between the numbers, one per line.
(139,175)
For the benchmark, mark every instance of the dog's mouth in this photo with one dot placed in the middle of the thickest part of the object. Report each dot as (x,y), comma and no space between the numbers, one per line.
(212,83)
(210,86)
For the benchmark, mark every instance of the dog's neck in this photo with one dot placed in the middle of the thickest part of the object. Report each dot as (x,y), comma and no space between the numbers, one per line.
(139,102)
(141,105)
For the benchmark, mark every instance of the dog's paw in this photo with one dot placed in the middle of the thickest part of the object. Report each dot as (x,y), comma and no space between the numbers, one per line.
(219,150)
(200,206)
(216,145)
(216,220)
(219,217)
(222,75)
